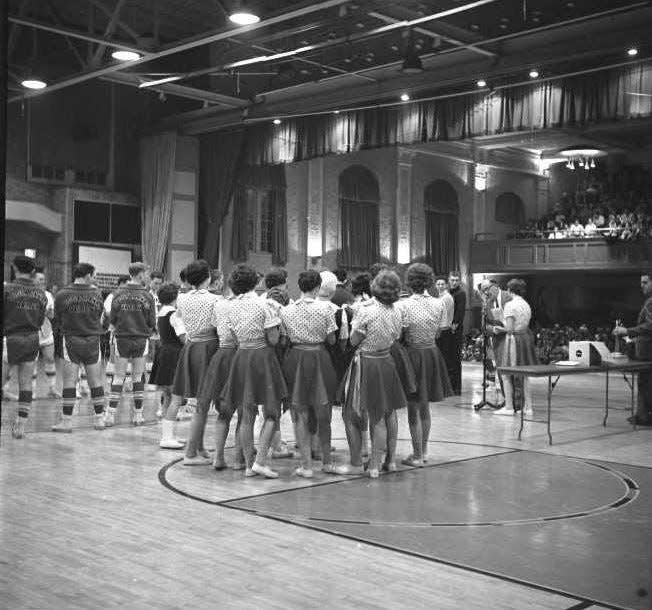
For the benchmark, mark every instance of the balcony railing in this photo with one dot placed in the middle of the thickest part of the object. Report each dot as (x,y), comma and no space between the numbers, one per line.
(531,255)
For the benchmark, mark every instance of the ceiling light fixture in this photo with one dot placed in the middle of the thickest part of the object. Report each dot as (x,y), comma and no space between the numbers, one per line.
(241,15)
(412,62)
(481,83)
(126,55)
(632,52)
(160,81)
(276,121)
(534,74)
(405,97)
(34,83)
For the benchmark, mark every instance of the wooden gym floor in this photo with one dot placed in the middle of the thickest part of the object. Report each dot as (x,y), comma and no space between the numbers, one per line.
(106,519)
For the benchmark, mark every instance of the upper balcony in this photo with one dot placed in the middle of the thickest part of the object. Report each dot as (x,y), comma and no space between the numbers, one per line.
(491,255)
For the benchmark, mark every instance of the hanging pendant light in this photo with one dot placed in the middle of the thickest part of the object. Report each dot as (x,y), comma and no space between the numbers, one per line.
(242,15)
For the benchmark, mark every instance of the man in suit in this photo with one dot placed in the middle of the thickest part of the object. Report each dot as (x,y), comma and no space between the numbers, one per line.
(459,300)
(494,303)
(642,335)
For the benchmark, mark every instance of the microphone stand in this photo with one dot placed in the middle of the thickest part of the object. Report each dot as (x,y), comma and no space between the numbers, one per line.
(484,402)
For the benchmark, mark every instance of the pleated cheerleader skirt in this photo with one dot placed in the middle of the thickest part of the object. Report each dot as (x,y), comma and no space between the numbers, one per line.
(372,384)
(192,365)
(256,379)
(214,381)
(310,377)
(433,383)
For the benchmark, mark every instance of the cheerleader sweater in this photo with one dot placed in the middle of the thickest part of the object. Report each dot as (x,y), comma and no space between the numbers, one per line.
(133,312)
(24,307)
(78,310)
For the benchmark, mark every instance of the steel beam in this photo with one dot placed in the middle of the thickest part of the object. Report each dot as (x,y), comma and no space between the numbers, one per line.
(458,43)
(71,33)
(185,45)
(108,31)
(123,26)
(201,95)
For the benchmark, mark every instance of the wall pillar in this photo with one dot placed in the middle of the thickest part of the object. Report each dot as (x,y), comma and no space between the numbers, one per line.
(182,242)
(315,234)
(402,240)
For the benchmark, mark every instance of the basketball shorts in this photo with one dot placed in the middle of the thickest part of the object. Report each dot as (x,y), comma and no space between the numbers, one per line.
(81,350)
(17,349)
(131,347)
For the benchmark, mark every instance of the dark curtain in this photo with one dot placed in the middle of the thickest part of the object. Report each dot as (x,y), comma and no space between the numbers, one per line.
(220,160)
(442,242)
(269,178)
(360,234)
(359,197)
(569,102)
(239,237)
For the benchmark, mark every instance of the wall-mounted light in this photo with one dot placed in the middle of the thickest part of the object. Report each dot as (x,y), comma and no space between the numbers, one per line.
(30,252)
(405,97)
(480,178)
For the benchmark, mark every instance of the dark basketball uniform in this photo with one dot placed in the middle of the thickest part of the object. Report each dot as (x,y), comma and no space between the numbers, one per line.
(78,312)
(133,316)
(24,314)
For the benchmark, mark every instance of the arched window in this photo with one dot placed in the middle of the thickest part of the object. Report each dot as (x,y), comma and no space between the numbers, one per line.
(442,235)
(359,232)
(509,209)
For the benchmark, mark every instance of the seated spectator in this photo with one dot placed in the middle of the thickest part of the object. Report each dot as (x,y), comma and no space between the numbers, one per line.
(576,229)
(590,228)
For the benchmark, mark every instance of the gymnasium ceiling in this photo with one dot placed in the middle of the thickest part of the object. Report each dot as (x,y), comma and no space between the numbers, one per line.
(335,53)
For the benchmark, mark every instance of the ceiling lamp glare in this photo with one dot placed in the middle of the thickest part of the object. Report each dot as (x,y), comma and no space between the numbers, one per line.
(241,15)
(405,97)
(481,83)
(276,121)
(126,55)
(632,52)
(534,74)
(34,83)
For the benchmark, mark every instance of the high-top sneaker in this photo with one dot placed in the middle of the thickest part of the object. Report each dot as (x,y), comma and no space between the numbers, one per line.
(99,423)
(64,425)
(18,427)
(109,417)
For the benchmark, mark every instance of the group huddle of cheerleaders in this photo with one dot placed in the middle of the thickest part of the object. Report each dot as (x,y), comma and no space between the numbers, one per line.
(243,352)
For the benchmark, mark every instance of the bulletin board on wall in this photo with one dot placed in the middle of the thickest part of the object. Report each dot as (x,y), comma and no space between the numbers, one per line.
(109,262)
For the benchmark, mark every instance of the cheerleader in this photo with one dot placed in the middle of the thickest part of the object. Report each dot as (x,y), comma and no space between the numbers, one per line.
(519,346)
(308,370)
(172,334)
(423,316)
(196,310)
(372,383)
(214,380)
(255,377)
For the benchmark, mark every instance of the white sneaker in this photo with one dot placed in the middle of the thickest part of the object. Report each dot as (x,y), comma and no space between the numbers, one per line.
(265,471)
(306,473)
(349,469)
(198,460)
(99,422)
(109,417)
(137,419)
(171,443)
(328,469)
(18,427)
(64,425)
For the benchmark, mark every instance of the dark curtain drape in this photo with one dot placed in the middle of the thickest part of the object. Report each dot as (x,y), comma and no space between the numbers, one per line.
(267,178)
(220,161)
(568,102)
(442,242)
(360,234)
(359,197)
(239,237)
